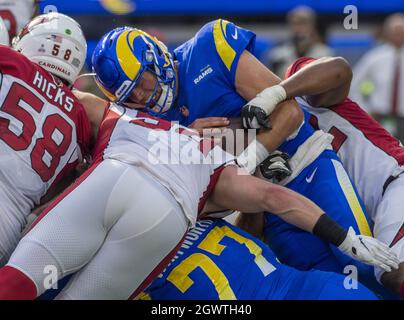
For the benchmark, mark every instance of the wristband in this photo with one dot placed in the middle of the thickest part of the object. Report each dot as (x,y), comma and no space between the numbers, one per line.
(330,231)
(253,155)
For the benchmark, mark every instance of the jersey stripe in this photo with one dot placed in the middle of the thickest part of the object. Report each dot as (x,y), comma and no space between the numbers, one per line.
(371,129)
(398,236)
(352,199)
(223,48)
(358,118)
(157,270)
(297,65)
(214,177)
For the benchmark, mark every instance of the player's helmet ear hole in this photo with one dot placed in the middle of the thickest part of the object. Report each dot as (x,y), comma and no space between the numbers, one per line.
(149,56)
(111,41)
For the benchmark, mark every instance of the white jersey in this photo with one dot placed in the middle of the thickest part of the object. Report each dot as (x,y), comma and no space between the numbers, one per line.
(43,132)
(372,157)
(16,14)
(170,153)
(368,152)
(27,168)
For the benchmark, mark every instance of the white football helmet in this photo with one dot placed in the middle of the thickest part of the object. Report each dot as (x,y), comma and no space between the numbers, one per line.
(56,42)
(4,38)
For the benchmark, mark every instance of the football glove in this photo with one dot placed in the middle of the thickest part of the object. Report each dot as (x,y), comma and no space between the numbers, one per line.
(255,113)
(254,117)
(369,250)
(276,166)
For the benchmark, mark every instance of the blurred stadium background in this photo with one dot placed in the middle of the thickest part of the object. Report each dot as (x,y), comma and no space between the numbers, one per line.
(175,21)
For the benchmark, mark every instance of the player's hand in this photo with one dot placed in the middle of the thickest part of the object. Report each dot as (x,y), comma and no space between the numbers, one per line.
(253,116)
(256,112)
(369,250)
(276,166)
(216,124)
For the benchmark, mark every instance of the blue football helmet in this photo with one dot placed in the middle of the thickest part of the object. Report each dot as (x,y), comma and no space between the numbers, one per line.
(120,59)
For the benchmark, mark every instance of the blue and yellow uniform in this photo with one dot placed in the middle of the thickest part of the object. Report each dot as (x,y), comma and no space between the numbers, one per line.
(326,183)
(207,66)
(219,261)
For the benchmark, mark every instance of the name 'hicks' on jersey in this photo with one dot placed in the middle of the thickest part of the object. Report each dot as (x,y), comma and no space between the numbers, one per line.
(53,91)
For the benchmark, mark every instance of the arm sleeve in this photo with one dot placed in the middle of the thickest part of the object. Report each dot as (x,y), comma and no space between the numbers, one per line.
(14,63)
(4,53)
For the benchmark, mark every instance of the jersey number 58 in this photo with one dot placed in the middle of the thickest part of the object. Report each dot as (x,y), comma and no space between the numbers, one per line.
(23,105)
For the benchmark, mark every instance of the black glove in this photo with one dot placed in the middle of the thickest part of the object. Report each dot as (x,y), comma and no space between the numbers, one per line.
(276,166)
(254,117)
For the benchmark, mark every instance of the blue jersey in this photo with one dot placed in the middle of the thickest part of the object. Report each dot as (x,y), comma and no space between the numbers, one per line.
(214,256)
(219,261)
(207,66)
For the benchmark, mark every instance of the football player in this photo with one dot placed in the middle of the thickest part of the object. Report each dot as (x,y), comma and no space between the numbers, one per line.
(120,240)
(44,129)
(214,74)
(218,261)
(373,158)
(16,14)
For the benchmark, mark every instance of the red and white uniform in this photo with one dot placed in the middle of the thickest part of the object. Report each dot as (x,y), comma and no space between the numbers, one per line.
(171,158)
(44,131)
(122,222)
(369,153)
(16,14)
(374,160)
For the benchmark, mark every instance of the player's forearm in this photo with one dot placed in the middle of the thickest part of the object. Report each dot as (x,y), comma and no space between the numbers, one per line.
(303,213)
(245,193)
(249,194)
(318,77)
(292,207)
(285,120)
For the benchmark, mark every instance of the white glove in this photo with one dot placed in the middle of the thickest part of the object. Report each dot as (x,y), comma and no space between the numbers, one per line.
(255,113)
(369,250)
